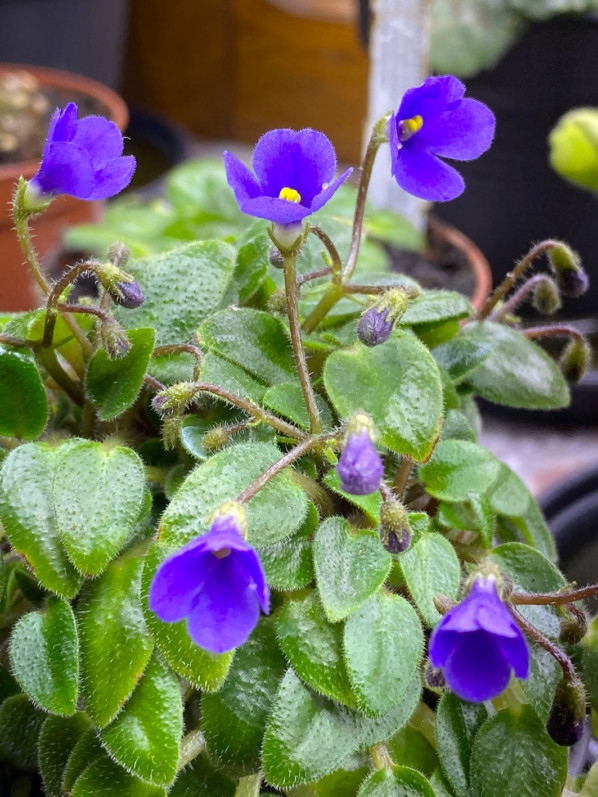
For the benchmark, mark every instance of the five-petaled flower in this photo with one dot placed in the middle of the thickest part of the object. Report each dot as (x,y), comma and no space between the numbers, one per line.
(477,644)
(294,175)
(435,121)
(216,582)
(83,158)
(360,467)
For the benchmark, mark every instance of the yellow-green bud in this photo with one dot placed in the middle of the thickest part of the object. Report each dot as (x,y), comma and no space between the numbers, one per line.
(175,399)
(378,321)
(566,264)
(575,359)
(171,429)
(114,339)
(395,531)
(216,438)
(547,298)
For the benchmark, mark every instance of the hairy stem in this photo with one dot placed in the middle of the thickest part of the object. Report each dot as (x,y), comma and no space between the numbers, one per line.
(554,598)
(192,745)
(553,331)
(52,308)
(333,294)
(10,340)
(153,383)
(543,641)
(47,358)
(402,476)
(313,275)
(21,219)
(177,348)
(509,282)
(290,281)
(517,298)
(337,266)
(249,786)
(275,468)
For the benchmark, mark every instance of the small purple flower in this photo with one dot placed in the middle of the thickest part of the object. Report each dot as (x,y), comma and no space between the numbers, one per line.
(360,467)
(83,157)
(435,121)
(294,175)
(217,583)
(478,643)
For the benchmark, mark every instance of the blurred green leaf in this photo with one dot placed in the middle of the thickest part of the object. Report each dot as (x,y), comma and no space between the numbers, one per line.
(24,405)
(20,727)
(104,778)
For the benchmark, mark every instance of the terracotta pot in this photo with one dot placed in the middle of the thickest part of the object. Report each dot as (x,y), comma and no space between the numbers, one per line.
(330,10)
(17,288)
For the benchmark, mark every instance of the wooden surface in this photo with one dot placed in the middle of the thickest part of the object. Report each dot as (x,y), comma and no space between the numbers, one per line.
(232,69)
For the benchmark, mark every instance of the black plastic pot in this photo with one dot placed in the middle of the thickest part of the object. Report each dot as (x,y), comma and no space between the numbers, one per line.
(82,36)
(513,197)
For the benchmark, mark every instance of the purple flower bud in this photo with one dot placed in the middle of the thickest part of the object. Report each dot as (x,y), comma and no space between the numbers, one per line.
(127,294)
(360,467)
(574,283)
(566,719)
(375,326)
(478,643)
(566,264)
(217,583)
(395,531)
(114,339)
(83,157)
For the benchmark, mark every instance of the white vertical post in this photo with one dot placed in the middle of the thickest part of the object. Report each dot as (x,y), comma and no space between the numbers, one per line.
(399,52)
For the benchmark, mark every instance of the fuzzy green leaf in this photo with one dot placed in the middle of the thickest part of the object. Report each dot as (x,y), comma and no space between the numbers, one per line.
(181,288)
(104,778)
(24,405)
(145,737)
(286,399)
(274,513)
(58,737)
(113,385)
(461,356)
(349,567)
(457,723)
(458,468)
(20,727)
(98,493)
(27,513)
(369,504)
(289,564)
(44,656)
(383,644)
(436,307)
(216,370)
(314,647)
(396,782)
(115,643)
(201,778)
(431,568)
(513,754)
(397,383)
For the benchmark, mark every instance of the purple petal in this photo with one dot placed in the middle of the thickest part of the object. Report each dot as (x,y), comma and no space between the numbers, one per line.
(177,581)
(320,200)
(482,610)
(101,138)
(431,98)
(225,533)
(516,652)
(360,467)
(249,561)
(226,610)
(476,670)
(240,179)
(278,210)
(275,162)
(63,126)
(425,176)
(113,177)
(442,643)
(317,160)
(462,132)
(65,169)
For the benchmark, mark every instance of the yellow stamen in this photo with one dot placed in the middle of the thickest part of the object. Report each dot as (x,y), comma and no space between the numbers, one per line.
(409,127)
(290,195)
(222,553)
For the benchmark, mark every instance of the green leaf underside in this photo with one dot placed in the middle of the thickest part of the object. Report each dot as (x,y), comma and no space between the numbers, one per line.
(24,405)
(309,736)
(349,568)
(314,648)
(145,737)
(204,670)
(98,493)
(513,754)
(516,372)
(431,567)
(115,643)
(383,643)
(397,383)
(44,656)
(113,385)
(27,513)
(273,514)
(396,782)
(181,288)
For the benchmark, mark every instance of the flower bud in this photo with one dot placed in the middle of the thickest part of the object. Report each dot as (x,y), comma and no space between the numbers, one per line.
(276,259)
(574,625)
(114,339)
(566,264)
(122,287)
(119,254)
(175,399)
(395,531)
(216,438)
(360,467)
(288,238)
(377,322)
(171,430)
(575,359)
(565,722)
(434,678)
(547,298)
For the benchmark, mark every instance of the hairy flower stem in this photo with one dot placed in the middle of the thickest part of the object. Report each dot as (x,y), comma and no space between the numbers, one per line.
(20,343)
(290,282)
(337,266)
(52,308)
(313,275)
(373,290)
(192,745)
(177,348)
(553,331)
(153,383)
(47,358)
(21,217)
(376,138)
(402,476)
(249,786)
(275,468)
(517,298)
(554,598)
(543,641)
(510,280)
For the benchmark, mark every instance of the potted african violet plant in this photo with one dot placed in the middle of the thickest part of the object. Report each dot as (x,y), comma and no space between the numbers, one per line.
(251,545)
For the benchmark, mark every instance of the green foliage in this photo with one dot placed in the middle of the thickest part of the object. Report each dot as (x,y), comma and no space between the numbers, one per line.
(396,782)
(19,377)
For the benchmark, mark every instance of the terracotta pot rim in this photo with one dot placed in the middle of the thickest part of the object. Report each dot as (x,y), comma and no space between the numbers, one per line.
(68,80)
(476,259)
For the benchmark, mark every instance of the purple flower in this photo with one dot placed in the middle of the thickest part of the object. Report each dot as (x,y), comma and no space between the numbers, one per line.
(360,467)
(478,643)
(83,157)
(434,121)
(294,175)
(217,583)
